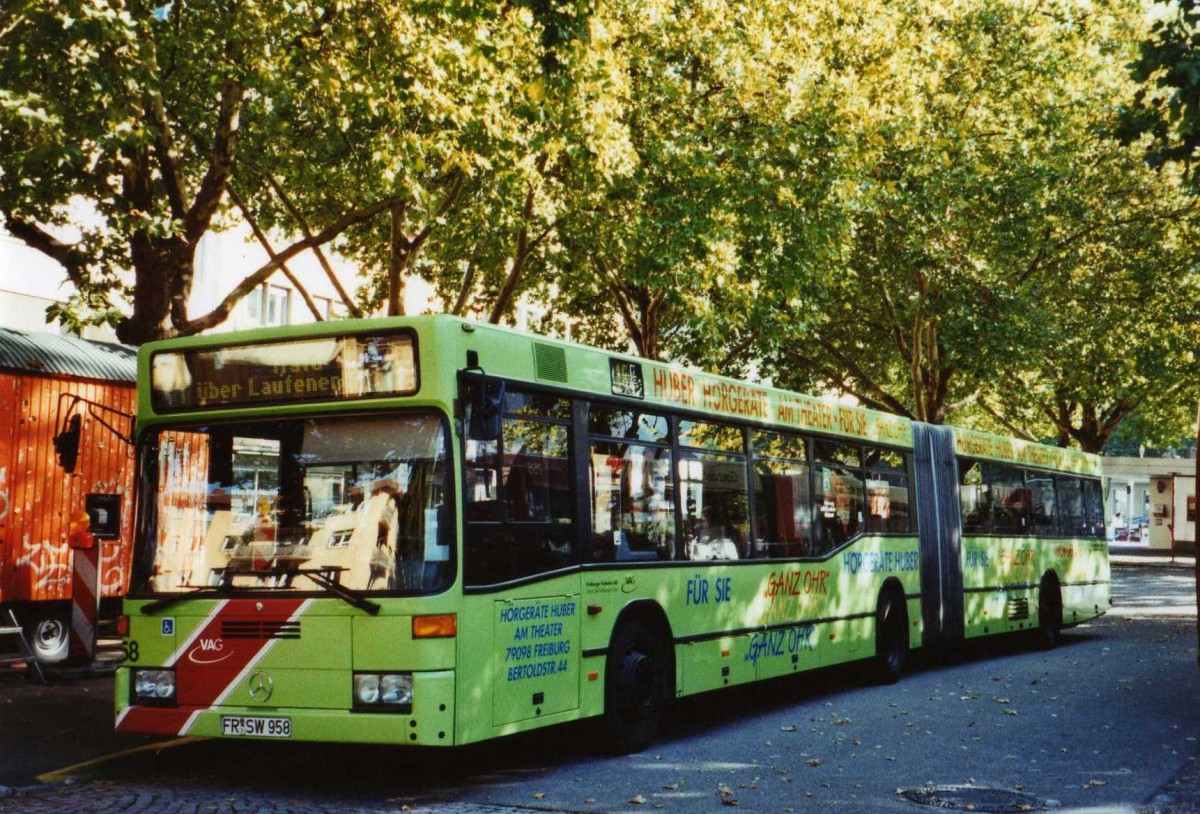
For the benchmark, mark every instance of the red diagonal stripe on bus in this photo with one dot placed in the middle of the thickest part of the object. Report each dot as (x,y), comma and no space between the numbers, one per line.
(209,665)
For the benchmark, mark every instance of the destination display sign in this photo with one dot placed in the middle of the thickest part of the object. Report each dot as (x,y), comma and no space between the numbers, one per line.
(341,367)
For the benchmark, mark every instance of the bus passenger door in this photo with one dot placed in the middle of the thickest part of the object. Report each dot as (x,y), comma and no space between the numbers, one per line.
(536,644)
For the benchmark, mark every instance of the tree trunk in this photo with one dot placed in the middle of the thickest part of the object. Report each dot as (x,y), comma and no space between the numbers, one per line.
(163,271)
(396,264)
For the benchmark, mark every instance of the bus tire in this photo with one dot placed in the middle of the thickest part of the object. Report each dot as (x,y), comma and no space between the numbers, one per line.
(49,636)
(891,636)
(1050,613)
(635,689)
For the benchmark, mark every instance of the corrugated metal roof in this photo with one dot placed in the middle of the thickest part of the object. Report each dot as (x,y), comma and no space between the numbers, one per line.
(55,354)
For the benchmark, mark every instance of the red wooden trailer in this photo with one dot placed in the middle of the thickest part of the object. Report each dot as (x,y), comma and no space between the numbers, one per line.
(46,380)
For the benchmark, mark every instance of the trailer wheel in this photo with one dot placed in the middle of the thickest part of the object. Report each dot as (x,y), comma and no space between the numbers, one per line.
(891,636)
(49,636)
(635,692)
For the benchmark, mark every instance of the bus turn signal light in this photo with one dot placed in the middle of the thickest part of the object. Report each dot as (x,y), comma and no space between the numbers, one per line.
(440,626)
(122,625)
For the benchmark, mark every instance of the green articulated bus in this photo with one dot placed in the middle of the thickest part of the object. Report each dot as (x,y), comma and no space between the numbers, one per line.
(432,531)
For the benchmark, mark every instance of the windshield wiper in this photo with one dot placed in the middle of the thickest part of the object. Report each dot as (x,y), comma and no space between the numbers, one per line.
(162,602)
(321,577)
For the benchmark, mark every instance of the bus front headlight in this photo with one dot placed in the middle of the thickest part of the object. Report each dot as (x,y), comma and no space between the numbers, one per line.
(396,689)
(154,686)
(383,692)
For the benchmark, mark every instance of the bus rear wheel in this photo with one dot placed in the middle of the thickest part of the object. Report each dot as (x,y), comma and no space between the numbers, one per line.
(891,636)
(635,692)
(1050,614)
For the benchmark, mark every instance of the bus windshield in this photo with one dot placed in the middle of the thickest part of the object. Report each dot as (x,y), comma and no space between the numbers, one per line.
(295,504)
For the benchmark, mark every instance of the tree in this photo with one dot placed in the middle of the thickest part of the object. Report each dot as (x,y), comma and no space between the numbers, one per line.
(713,184)
(320,119)
(989,192)
(1165,111)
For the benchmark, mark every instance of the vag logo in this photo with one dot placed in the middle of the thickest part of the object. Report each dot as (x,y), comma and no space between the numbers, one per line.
(209,651)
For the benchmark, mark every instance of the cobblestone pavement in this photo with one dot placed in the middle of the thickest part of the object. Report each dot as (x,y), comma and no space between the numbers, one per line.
(105,798)
(1164,598)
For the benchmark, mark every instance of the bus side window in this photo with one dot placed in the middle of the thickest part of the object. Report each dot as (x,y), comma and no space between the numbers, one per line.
(519,502)
(1010,499)
(633,502)
(1044,506)
(783,514)
(975,498)
(1093,508)
(887,491)
(712,476)
(1072,517)
(838,500)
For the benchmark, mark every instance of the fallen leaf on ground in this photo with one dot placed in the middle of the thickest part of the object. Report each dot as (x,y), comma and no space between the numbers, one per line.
(541,795)
(637,800)
(816,761)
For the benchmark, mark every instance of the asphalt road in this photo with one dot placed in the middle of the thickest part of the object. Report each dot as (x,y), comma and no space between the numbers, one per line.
(1103,723)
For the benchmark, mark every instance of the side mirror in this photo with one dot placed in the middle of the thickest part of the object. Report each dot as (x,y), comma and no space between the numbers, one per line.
(66,444)
(487,405)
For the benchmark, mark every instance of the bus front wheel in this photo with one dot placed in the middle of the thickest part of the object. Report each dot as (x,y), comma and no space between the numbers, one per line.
(891,636)
(635,693)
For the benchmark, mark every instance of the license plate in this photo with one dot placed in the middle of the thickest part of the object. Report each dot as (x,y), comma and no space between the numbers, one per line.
(256,726)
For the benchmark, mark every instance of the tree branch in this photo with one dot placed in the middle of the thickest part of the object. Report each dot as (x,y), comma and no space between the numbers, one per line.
(266,244)
(322,259)
(881,396)
(226,306)
(1012,428)
(220,167)
(524,249)
(32,235)
(614,286)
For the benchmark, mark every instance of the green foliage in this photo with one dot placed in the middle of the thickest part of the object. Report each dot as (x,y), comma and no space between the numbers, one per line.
(1165,112)
(993,221)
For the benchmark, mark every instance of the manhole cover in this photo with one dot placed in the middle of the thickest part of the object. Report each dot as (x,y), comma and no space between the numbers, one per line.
(973,798)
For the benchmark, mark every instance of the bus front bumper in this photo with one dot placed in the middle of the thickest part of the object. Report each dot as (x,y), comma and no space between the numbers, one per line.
(429,723)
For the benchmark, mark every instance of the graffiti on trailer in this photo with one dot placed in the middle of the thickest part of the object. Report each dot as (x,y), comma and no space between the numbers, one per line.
(4,501)
(48,565)
(49,568)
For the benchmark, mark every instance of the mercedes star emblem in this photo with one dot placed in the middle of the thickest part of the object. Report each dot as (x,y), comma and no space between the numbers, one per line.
(261,686)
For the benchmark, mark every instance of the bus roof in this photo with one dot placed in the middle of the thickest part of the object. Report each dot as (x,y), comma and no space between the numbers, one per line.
(444,342)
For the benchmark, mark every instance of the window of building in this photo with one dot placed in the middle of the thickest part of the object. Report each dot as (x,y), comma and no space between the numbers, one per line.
(278,306)
(268,305)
